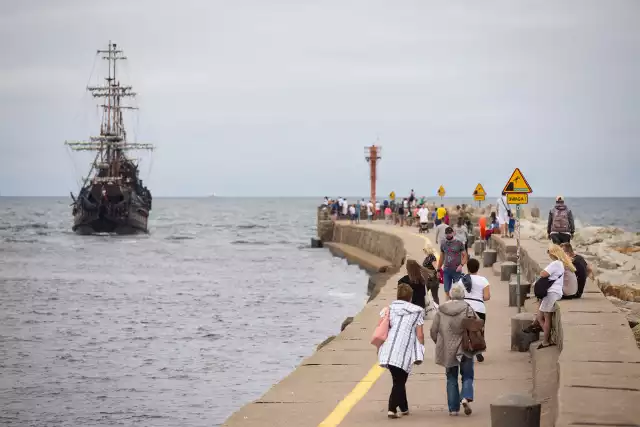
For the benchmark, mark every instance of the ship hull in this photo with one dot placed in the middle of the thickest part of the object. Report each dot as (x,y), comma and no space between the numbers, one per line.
(111,209)
(86,223)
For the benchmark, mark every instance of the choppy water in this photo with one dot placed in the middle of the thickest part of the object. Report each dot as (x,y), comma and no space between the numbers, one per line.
(178,327)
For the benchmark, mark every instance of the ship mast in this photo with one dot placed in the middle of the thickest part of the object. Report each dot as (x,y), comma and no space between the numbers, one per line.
(111,144)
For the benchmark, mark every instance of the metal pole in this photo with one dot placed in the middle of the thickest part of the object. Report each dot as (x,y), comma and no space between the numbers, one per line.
(518,256)
(374,159)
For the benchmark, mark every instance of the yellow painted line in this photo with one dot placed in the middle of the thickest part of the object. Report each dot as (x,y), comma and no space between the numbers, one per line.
(358,392)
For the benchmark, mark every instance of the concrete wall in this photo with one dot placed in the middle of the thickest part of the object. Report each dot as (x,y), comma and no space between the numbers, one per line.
(376,242)
(599,363)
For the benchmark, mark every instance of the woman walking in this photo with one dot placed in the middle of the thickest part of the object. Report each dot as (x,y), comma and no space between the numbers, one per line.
(417,282)
(403,347)
(446,332)
(476,293)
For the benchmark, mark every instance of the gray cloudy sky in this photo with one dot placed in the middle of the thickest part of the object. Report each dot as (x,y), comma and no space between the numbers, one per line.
(261,97)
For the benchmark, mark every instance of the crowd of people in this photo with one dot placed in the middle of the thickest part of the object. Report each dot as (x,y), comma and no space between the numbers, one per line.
(465,298)
(404,346)
(409,211)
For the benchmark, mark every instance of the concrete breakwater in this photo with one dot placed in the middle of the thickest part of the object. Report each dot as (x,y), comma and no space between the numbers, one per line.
(598,364)
(597,375)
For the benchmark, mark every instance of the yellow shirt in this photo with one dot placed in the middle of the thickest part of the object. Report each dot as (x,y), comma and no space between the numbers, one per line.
(441,212)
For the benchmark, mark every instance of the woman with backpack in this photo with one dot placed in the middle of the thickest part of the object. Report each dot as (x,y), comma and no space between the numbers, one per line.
(447,331)
(477,291)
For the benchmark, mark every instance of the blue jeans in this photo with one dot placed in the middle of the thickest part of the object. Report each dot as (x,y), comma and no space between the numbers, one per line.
(453,391)
(451,276)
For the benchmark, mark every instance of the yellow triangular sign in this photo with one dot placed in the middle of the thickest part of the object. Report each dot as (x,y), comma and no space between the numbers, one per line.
(517,184)
(441,191)
(479,191)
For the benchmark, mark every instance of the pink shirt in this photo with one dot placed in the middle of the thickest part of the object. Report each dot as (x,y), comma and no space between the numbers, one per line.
(387,211)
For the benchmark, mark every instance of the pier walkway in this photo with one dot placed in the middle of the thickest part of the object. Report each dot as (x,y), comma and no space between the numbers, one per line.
(341,384)
(503,371)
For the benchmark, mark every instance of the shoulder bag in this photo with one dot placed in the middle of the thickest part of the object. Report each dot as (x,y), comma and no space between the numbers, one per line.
(382,330)
(542,285)
(509,213)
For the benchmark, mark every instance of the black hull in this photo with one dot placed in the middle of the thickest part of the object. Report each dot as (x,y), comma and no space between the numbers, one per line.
(86,223)
(111,209)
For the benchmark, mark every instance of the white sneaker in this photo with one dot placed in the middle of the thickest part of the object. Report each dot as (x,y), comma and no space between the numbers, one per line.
(392,415)
(403,413)
(453,414)
(466,406)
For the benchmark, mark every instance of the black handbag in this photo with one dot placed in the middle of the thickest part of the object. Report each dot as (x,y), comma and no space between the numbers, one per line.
(541,287)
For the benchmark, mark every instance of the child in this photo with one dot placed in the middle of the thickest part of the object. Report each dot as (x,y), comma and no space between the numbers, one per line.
(494,227)
(387,214)
(512,224)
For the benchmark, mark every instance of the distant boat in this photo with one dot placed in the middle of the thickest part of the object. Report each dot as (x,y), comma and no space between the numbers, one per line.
(112,198)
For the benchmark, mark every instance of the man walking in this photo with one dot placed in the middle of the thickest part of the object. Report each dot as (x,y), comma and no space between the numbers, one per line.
(452,258)
(560,226)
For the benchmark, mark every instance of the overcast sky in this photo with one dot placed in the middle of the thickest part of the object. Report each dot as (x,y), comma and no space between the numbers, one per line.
(263,98)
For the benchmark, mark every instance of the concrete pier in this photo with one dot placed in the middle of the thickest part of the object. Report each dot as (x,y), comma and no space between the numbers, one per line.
(590,377)
(342,385)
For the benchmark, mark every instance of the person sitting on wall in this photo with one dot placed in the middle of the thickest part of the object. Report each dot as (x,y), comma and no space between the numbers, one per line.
(583,270)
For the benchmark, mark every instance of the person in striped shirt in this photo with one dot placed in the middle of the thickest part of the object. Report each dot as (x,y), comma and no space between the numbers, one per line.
(403,347)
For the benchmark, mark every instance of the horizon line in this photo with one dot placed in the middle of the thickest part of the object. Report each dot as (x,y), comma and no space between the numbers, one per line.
(322,197)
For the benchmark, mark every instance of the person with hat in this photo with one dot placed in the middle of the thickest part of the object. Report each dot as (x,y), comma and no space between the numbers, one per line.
(452,259)
(560,226)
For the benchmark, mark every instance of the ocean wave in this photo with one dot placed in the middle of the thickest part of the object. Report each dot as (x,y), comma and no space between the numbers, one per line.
(179,238)
(18,240)
(250,226)
(250,242)
(261,242)
(29,226)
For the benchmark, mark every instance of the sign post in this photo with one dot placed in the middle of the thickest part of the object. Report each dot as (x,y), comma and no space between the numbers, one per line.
(479,194)
(517,191)
(441,192)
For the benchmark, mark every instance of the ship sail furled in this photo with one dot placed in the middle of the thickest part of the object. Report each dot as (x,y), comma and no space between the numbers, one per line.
(112,198)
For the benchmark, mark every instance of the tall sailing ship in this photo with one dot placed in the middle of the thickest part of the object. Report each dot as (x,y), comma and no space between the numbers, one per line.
(113,198)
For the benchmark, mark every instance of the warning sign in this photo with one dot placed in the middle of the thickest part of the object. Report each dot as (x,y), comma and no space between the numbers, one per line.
(517,198)
(392,195)
(478,198)
(517,184)
(479,191)
(441,191)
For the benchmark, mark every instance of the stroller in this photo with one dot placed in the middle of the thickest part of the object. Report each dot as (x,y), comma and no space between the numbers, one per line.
(423,227)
